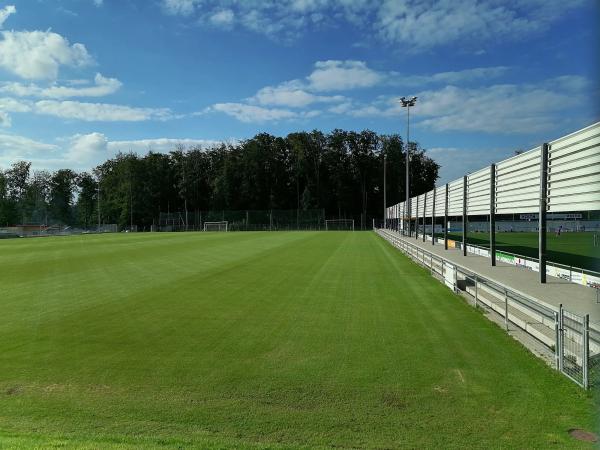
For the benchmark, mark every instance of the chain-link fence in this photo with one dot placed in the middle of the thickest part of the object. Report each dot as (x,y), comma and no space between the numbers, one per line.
(38,230)
(245,220)
(594,355)
(572,353)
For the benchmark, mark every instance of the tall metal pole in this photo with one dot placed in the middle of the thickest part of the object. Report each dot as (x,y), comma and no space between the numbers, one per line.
(446,219)
(433,218)
(424,215)
(98,204)
(542,212)
(416,219)
(130,207)
(384,191)
(464,218)
(493,213)
(407,167)
(407,103)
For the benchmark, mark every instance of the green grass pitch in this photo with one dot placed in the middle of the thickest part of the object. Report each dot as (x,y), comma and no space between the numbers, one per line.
(571,249)
(259,340)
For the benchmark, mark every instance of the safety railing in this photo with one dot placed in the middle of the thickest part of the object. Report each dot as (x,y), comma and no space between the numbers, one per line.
(573,339)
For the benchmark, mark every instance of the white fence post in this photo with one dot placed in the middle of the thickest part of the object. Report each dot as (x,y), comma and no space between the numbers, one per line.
(586,350)
(561,353)
(506,309)
(557,340)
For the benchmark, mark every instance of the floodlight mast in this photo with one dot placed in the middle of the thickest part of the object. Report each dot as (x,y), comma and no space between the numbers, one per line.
(98,189)
(407,103)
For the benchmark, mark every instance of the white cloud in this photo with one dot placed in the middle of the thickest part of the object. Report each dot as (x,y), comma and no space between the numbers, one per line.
(424,24)
(292,94)
(326,76)
(5,12)
(86,149)
(416,25)
(83,151)
(18,144)
(251,113)
(342,75)
(342,108)
(98,3)
(99,112)
(502,108)
(12,105)
(4,120)
(499,108)
(161,145)
(14,148)
(89,112)
(179,7)
(336,75)
(39,54)
(223,17)
(456,162)
(102,86)
(453,77)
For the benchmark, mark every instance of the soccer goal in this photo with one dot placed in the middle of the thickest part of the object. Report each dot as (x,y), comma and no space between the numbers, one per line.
(339,224)
(215,226)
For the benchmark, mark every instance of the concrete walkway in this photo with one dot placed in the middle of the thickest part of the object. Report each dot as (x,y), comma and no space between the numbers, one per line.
(575,298)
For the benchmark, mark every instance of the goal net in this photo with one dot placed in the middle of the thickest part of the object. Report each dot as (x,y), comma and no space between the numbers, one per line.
(339,224)
(215,226)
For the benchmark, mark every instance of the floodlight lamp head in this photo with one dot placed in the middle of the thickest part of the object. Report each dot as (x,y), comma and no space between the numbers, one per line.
(408,103)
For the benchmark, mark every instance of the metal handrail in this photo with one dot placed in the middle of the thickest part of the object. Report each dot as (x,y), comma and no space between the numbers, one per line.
(520,297)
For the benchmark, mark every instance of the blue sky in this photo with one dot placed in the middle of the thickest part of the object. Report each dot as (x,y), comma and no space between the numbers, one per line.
(83,79)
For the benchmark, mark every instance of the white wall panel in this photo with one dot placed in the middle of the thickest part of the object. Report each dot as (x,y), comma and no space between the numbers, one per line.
(440,201)
(573,181)
(518,183)
(574,171)
(455,198)
(428,203)
(478,192)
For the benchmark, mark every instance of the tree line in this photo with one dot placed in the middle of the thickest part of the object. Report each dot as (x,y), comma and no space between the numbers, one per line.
(340,172)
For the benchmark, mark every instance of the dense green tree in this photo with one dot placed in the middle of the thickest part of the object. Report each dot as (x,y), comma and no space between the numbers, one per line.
(62,193)
(87,200)
(340,172)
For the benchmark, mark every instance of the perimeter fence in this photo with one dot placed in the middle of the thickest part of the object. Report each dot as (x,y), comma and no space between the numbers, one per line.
(252,220)
(40,230)
(554,184)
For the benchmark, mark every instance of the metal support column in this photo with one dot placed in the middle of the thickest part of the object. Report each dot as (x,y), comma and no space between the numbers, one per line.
(424,216)
(384,191)
(493,213)
(416,219)
(464,217)
(446,220)
(556,341)
(506,309)
(433,218)
(542,214)
(561,349)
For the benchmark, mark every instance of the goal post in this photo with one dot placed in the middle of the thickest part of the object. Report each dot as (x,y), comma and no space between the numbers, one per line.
(339,225)
(215,226)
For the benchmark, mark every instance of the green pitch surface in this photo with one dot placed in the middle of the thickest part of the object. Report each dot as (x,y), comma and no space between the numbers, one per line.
(255,340)
(571,249)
